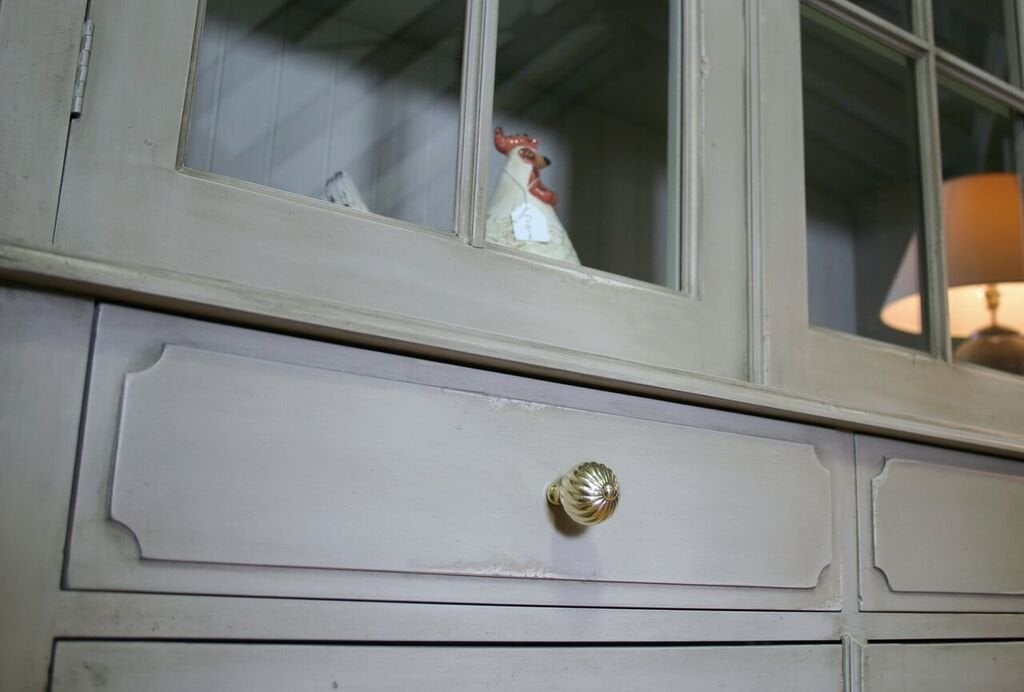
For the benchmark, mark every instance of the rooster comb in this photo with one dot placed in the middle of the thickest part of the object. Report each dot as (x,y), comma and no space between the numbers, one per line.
(505,144)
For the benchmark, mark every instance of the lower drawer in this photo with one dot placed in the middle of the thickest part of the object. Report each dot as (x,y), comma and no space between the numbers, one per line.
(988,666)
(82,666)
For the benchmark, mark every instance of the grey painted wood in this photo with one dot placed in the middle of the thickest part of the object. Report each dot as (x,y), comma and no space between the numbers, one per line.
(39,42)
(114,667)
(939,530)
(909,626)
(988,666)
(44,342)
(269,448)
(96,614)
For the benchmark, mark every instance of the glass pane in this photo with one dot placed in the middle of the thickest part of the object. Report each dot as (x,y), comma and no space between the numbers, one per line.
(863,178)
(896,11)
(980,32)
(981,149)
(353,102)
(590,82)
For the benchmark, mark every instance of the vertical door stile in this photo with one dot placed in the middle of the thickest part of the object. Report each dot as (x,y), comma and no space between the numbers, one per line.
(688,122)
(1015,10)
(934,310)
(678,142)
(1011,12)
(475,118)
(757,336)
(853,663)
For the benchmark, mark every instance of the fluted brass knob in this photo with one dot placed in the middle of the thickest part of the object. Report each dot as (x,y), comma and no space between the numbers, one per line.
(589,493)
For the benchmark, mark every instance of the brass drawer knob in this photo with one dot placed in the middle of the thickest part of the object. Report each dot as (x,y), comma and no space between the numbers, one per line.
(588,493)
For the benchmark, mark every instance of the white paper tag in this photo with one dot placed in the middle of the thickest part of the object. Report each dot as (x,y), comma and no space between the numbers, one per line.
(529,223)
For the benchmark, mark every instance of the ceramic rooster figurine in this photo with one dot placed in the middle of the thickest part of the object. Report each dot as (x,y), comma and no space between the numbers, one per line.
(522,211)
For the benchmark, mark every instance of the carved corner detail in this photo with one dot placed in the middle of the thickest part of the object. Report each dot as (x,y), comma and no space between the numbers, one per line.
(877,482)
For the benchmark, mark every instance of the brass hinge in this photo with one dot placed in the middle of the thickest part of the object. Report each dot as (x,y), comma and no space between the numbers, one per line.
(82,73)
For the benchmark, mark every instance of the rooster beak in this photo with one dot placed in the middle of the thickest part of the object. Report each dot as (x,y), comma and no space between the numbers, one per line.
(547,162)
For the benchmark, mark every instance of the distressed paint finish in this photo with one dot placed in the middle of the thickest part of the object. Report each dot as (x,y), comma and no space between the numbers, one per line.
(126,667)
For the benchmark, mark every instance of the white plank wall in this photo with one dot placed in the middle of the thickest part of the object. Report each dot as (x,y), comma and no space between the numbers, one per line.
(280,99)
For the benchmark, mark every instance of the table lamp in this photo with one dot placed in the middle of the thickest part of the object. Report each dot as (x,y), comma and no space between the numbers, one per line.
(984,230)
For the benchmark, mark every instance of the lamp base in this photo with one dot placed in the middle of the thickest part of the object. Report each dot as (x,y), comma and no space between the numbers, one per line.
(994,347)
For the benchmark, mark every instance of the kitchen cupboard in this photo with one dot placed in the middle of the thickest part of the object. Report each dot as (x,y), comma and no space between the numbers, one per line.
(252,434)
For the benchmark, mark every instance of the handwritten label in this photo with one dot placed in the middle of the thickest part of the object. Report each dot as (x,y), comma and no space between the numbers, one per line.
(529,223)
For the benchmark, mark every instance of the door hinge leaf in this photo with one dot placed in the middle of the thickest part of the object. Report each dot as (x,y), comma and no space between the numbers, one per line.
(82,72)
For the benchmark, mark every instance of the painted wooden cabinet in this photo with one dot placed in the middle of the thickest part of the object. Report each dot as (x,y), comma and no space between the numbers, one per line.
(254,436)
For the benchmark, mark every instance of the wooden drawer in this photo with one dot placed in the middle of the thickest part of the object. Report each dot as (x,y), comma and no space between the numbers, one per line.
(82,666)
(939,530)
(988,666)
(222,460)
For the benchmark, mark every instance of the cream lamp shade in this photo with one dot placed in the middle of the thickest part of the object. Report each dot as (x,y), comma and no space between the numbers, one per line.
(984,229)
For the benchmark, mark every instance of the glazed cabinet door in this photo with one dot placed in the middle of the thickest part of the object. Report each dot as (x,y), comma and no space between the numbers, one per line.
(559,186)
(897,162)
(116,667)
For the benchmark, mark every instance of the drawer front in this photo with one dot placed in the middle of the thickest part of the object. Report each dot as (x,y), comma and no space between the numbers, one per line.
(939,530)
(215,459)
(128,667)
(988,666)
